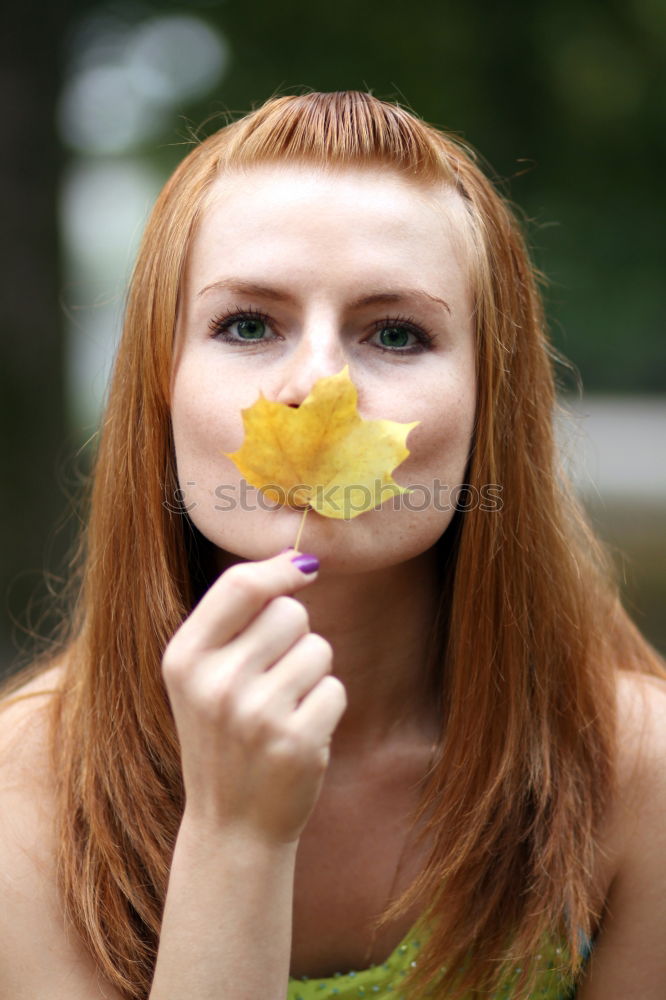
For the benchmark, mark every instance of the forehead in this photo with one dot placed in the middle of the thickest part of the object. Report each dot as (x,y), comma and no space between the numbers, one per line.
(366,217)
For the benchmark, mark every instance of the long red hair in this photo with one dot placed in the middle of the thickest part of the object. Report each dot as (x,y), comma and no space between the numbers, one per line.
(530,629)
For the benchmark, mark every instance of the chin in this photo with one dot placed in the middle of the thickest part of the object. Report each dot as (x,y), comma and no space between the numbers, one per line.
(372,541)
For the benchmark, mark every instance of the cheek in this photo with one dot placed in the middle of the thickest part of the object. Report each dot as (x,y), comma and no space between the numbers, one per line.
(440,445)
(206,422)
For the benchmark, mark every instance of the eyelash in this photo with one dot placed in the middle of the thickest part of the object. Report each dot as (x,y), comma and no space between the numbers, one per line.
(220,325)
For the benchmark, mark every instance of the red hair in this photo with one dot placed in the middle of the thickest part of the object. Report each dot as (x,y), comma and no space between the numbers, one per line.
(530,631)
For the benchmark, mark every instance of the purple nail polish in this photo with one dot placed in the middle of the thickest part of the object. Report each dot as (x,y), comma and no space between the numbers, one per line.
(306,563)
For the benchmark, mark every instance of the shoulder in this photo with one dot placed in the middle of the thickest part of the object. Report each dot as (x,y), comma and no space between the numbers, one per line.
(25,766)
(639,791)
(21,707)
(39,954)
(24,732)
(629,958)
(639,813)
(641,701)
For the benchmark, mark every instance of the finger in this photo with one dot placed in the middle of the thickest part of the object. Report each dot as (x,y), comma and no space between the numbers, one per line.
(235,598)
(321,709)
(297,672)
(280,624)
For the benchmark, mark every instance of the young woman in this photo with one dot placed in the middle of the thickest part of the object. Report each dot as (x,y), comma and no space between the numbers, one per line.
(438,714)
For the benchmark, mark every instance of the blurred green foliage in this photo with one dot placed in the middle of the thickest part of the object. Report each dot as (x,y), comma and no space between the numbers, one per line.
(564,99)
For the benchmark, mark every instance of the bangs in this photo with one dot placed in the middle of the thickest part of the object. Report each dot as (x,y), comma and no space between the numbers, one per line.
(348,128)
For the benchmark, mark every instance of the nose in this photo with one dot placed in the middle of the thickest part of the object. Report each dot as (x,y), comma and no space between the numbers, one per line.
(318,353)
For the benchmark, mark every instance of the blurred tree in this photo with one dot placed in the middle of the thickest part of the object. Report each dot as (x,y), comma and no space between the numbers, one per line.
(31,383)
(563,97)
(565,100)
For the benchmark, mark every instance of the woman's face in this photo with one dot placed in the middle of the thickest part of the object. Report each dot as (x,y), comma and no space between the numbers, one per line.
(294,273)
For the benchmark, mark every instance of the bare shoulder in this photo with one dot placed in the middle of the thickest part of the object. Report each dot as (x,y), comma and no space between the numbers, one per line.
(639,694)
(24,763)
(641,737)
(39,955)
(21,711)
(640,809)
(629,958)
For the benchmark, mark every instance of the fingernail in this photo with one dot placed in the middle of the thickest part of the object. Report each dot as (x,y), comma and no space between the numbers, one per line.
(306,563)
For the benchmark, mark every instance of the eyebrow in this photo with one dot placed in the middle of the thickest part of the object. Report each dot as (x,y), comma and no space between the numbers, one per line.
(240,287)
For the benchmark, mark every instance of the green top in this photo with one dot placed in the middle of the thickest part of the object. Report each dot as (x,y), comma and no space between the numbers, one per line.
(386,980)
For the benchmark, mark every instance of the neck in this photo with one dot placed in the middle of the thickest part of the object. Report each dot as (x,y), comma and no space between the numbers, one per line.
(381,627)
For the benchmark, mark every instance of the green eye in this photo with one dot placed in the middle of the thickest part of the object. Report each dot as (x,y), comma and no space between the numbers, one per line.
(250,329)
(394,336)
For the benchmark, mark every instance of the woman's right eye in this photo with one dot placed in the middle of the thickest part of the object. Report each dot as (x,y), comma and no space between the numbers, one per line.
(244,327)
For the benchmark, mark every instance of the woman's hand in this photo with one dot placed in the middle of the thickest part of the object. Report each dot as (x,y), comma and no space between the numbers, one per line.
(254,702)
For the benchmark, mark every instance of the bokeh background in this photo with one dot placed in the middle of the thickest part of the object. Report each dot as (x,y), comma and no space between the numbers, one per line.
(564,99)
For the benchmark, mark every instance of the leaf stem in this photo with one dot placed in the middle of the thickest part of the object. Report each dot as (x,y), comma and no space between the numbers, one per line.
(300,529)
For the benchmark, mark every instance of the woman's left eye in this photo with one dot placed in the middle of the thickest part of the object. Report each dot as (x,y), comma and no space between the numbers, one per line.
(401,337)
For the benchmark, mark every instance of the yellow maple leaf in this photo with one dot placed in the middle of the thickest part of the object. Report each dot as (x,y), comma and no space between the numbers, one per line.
(322,454)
